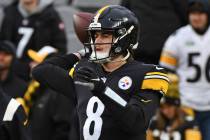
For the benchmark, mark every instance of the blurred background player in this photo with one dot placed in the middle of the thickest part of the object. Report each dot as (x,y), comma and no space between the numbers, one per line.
(11,87)
(10,83)
(32,24)
(49,113)
(13,121)
(170,121)
(187,53)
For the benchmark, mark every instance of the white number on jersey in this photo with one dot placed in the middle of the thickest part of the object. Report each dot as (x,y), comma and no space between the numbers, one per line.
(93,116)
(26,35)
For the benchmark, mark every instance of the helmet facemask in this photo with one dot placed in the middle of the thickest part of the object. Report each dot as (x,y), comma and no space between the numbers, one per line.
(116,44)
(96,55)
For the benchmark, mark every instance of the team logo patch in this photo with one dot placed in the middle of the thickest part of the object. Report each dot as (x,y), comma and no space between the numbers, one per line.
(125,83)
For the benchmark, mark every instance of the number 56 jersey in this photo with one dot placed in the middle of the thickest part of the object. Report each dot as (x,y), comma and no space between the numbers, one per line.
(188,54)
(104,117)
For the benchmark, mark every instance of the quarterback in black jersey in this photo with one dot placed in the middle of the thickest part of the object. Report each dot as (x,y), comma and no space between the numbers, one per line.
(115,96)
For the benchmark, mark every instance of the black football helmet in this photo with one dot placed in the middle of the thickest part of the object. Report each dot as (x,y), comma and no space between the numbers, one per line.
(122,23)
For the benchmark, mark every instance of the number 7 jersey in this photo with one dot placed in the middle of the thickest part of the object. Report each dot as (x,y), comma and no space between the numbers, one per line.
(188,54)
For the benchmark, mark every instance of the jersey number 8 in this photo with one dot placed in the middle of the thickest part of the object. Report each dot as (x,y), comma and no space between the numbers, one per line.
(95,108)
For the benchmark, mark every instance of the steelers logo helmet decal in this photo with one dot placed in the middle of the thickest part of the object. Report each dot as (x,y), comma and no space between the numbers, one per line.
(125,83)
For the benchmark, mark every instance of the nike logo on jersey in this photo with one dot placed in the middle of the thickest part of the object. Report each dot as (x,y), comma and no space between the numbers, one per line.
(145,101)
(158,68)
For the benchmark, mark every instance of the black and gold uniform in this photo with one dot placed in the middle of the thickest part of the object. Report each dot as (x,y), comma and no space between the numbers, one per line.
(125,114)
(116,105)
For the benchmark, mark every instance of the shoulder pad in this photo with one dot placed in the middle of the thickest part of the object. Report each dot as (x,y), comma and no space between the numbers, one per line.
(156,79)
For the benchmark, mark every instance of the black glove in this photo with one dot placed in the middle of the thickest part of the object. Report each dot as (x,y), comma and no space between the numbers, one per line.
(87,77)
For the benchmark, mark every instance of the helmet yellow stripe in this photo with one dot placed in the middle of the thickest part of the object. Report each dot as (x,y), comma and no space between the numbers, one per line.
(100,12)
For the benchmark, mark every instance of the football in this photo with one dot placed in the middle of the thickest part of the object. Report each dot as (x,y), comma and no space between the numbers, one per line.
(81,21)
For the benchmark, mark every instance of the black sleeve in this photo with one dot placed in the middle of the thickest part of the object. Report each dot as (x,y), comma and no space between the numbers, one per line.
(14,125)
(66,62)
(4,101)
(15,130)
(56,78)
(3,133)
(54,72)
(135,116)
(61,110)
(74,131)
(59,40)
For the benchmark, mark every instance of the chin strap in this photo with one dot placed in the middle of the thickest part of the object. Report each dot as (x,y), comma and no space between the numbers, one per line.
(109,60)
(127,56)
(123,59)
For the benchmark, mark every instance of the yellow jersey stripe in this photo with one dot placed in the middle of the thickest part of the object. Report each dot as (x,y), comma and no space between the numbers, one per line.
(100,12)
(156,73)
(155,84)
(168,59)
(157,77)
(31,89)
(71,72)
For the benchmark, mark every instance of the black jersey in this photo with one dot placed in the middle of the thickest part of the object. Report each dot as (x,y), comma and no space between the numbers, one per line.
(10,108)
(126,115)
(43,28)
(33,31)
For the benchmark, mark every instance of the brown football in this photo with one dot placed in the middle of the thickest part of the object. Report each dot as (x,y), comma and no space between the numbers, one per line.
(81,21)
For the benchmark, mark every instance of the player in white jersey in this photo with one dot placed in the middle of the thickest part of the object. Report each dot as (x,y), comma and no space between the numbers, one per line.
(187,52)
